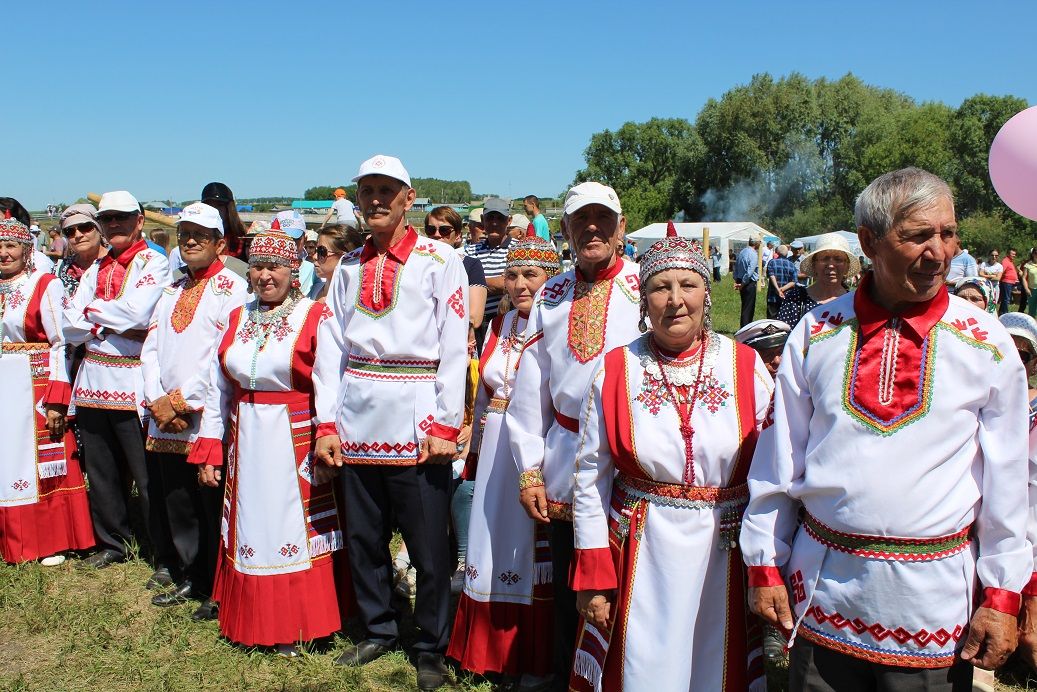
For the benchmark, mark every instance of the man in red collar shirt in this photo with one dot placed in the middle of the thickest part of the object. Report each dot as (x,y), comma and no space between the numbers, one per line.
(900,428)
(577,318)
(401,354)
(110,313)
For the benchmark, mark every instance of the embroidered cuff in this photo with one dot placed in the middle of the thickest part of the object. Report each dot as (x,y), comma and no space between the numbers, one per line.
(1031,587)
(592,570)
(765,576)
(177,401)
(444,432)
(1007,602)
(206,450)
(531,479)
(58,393)
(471,464)
(325,429)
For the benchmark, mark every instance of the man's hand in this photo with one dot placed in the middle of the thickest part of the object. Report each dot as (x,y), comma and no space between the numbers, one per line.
(176,426)
(324,474)
(992,638)
(135,334)
(1028,631)
(534,501)
(772,604)
(738,286)
(209,475)
(56,421)
(436,450)
(595,606)
(162,411)
(329,450)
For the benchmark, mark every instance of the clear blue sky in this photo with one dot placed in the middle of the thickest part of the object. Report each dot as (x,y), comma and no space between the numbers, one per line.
(272,98)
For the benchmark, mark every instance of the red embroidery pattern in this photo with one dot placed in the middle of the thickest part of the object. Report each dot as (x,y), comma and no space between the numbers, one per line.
(880,632)
(588,319)
(20,485)
(456,302)
(471,572)
(91,398)
(246,551)
(826,319)
(289,549)
(379,286)
(224,284)
(554,292)
(799,591)
(964,326)
(712,394)
(146,280)
(14,300)
(186,305)
(509,578)
(426,424)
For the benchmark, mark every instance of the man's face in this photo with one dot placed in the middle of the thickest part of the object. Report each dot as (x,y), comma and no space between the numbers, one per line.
(912,258)
(496,225)
(475,231)
(198,245)
(594,231)
(121,229)
(384,202)
(1011,255)
(530,209)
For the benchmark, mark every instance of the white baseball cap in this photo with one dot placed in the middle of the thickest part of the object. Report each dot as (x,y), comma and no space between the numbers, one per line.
(312,235)
(291,223)
(519,221)
(591,193)
(118,201)
(202,214)
(498,205)
(384,165)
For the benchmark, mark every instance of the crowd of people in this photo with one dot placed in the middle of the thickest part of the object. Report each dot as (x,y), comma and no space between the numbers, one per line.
(622,496)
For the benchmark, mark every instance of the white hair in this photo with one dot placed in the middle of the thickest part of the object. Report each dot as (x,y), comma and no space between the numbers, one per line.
(894,196)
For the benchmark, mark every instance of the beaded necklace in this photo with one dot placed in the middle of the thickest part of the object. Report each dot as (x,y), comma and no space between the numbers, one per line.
(687,432)
(508,344)
(264,321)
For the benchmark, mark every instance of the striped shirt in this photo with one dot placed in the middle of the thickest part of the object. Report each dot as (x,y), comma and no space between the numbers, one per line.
(494,261)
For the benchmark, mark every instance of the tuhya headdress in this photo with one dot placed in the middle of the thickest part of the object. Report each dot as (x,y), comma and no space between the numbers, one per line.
(674,252)
(533,251)
(275,247)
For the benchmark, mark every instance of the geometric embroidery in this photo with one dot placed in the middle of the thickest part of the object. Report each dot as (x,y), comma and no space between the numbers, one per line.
(456,303)
(880,633)
(713,394)
(588,319)
(289,549)
(186,304)
(509,578)
(379,281)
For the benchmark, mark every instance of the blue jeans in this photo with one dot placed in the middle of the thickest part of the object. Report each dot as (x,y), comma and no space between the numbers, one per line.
(461,512)
(1005,302)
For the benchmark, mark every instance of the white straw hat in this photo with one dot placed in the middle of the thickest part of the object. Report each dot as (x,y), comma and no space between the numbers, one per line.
(826,243)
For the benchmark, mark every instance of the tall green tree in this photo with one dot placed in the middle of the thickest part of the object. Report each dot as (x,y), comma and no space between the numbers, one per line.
(973,128)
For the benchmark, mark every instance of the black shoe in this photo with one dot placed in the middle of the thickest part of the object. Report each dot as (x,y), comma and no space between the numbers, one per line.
(181,594)
(104,558)
(208,610)
(361,654)
(159,579)
(432,671)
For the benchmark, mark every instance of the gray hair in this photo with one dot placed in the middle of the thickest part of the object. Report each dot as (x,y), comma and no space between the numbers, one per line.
(894,196)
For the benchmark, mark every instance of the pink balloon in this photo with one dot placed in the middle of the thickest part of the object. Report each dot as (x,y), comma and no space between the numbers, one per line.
(1013,163)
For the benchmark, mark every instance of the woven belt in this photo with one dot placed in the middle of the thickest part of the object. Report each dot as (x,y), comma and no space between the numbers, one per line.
(692,496)
(112,361)
(497,405)
(886,547)
(25,347)
(393,369)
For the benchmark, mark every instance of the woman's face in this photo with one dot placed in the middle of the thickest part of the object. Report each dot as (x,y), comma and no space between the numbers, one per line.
(830,266)
(270,281)
(12,258)
(325,258)
(1029,361)
(84,239)
(676,300)
(973,295)
(522,283)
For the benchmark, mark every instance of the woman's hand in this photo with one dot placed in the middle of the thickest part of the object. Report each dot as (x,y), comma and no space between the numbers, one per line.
(209,475)
(595,606)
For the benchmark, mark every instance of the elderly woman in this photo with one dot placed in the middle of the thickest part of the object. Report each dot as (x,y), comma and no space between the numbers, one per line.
(504,617)
(85,245)
(829,264)
(276,582)
(977,291)
(667,437)
(43,503)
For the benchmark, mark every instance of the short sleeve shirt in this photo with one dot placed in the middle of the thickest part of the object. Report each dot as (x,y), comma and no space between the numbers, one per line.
(344,213)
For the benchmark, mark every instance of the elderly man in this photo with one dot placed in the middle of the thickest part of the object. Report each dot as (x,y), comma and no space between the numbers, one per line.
(492,253)
(110,313)
(401,353)
(781,277)
(900,426)
(576,319)
(747,274)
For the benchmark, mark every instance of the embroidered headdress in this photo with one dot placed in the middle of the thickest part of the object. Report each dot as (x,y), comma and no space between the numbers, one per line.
(275,247)
(980,284)
(12,229)
(674,252)
(533,251)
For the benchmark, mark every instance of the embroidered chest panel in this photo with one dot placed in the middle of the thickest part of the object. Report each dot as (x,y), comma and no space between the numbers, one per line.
(588,319)
(379,286)
(191,297)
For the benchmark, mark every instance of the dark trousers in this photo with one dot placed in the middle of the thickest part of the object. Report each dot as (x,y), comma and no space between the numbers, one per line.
(1005,299)
(716,275)
(114,459)
(772,309)
(817,669)
(193,516)
(566,618)
(418,498)
(748,295)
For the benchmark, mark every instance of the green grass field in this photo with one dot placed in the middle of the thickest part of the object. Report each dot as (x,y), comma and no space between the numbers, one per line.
(70,628)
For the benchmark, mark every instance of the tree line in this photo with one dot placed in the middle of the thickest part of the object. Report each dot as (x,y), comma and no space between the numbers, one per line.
(792,154)
(439,191)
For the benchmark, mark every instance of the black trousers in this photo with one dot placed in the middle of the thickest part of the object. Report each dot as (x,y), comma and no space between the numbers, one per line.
(748,295)
(418,498)
(817,669)
(566,619)
(193,518)
(772,309)
(114,460)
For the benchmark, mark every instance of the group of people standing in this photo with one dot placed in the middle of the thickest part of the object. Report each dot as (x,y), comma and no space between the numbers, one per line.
(647,492)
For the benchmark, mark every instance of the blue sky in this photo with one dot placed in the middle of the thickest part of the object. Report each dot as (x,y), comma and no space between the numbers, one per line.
(272,98)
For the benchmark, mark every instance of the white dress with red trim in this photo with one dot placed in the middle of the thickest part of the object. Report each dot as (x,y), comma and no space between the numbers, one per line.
(185,330)
(573,324)
(116,295)
(504,617)
(402,344)
(43,502)
(659,494)
(282,575)
(904,438)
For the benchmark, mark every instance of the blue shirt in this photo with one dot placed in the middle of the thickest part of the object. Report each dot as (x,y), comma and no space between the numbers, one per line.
(962,265)
(784,272)
(747,266)
(541,227)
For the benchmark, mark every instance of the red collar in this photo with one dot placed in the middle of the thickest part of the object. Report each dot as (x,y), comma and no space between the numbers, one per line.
(127,255)
(920,317)
(400,251)
(603,274)
(207,273)
(674,355)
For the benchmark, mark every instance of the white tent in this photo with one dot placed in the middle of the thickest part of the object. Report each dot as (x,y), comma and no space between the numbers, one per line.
(727,236)
(851,239)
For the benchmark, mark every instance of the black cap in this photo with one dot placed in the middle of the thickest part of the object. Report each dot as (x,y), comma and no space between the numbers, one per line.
(218,192)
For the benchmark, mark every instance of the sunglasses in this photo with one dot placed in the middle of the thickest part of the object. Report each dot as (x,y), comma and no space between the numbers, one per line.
(84,228)
(117,218)
(1025,356)
(200,237)
(323,253)
(438,230)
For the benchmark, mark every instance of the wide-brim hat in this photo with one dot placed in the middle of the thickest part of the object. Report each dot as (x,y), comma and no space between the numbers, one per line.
(1022,325)
(826,243)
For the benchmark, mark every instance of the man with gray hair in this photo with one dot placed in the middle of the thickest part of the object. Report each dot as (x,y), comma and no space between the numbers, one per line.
(900,428)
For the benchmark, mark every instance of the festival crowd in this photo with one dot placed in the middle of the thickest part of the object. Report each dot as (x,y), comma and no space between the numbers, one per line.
(623,497)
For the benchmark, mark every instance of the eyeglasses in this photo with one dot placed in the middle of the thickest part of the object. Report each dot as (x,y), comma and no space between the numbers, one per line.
(84,228)
(118,217)
(323,253)
(1025,356)
(438,230)
(198,236)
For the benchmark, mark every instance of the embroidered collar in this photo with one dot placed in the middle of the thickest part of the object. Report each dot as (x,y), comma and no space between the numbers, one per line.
(127,255)
(399,252)
(603,274)
(920,318)
(207,273)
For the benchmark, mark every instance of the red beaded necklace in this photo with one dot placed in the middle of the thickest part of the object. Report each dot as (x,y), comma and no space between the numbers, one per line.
(687,432)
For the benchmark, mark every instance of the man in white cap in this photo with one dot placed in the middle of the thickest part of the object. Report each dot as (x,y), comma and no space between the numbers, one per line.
(110,313)
(184,332)
(577,317)
(402,307)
